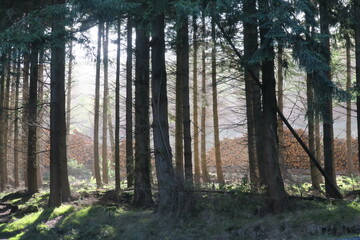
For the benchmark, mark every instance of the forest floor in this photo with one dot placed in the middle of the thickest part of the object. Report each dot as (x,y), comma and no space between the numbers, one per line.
(229,213)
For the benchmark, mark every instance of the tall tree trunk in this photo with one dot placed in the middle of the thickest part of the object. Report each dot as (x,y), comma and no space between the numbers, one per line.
(105,105)
(328,131)
(59,183)
(205,173)
(6,113)
(32,165)
(69,89)
(313,121)
(195,103)
(280,103)
(357,57)
(315,174)
(349,158)
(40,143)
(142,194)
(276,195)
(179,143)
(97,109)
(117,113)
(163,156)
(129,108)
(219,171)
(16,123)
(2,127)
(184,35)
(250,47)
(25,116)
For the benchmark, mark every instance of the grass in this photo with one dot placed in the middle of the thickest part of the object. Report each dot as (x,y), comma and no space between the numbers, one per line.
(238,214)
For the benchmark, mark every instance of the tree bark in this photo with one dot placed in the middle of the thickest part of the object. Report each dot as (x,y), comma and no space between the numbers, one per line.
(117,114)
(328,131)
(280,103)
(16,123)
(25,115)
(357,57)
(276,195)
(250,47)
(104,151)
(69,89)
(33,98)
(59,183)
(2,127)
(142,194)
(184,35)
(97,109)
(195,103)
(129,108)
(219,171)
(205,173)
(168,194)
(349,157)
(179,133)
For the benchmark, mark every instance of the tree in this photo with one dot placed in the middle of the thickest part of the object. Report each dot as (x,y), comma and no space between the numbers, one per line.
(59,183)
(328,130)
(117,112)
(168,194)
(195,103)
(97,108)
(349,157)
(16,121)
(277,199)
(129,107)
(219,171)
(250,48)
(357,57)
(142,194)
(32,129)
(105,104)
(205,173)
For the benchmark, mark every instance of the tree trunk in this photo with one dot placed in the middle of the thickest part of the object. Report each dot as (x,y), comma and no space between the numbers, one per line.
(163,156)
(59,183)
(184,32)
(2,127)
(179,143)
(129,108)
(69,88)
(117,114)
(205,173)
(250,47)
(219,171)
(357,57)
(311,130)
(105,173)
(25,116)
(16,123)
(280,103)
(328,131)
(97,109)
(276,195)
(142,194)
(33,98)
(195,103)
(40,134)
(349,158)
(6,113)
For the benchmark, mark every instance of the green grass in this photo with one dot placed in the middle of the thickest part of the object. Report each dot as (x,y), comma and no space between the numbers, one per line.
(233,215)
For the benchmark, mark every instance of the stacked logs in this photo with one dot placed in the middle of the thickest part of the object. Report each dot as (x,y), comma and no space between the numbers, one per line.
(234,152)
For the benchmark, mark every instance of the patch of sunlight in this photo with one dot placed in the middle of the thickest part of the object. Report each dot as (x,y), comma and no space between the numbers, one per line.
(18,237)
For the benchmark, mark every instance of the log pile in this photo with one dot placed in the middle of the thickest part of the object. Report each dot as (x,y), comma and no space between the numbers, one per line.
(234,152)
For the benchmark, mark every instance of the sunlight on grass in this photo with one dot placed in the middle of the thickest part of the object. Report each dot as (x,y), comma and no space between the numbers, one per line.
(36,218)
